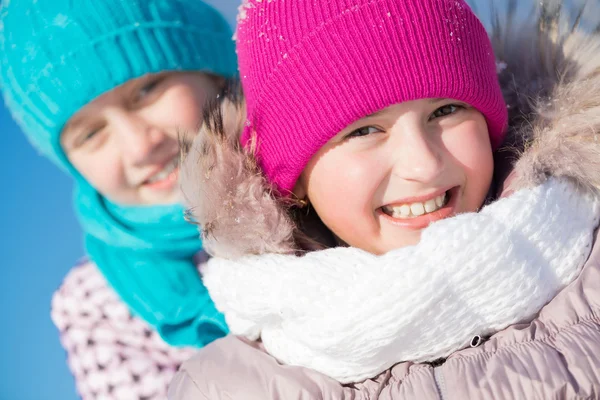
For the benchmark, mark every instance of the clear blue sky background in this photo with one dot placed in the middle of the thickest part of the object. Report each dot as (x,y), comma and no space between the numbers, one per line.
(40,241)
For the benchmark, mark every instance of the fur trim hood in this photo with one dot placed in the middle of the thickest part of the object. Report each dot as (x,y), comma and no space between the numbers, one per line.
(549,72)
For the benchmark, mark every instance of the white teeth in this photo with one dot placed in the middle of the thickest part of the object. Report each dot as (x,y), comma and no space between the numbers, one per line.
(430,206)
(166,171)
(416,209)
(440,200)
(404,210)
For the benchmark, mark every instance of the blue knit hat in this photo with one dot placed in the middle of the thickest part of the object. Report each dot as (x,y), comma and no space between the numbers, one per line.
(58,55)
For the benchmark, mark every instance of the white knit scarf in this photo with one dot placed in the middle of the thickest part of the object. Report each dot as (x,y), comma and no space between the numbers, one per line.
(351,315)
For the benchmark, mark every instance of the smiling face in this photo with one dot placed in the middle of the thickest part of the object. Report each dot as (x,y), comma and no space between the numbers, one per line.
(125,142)
(377,184)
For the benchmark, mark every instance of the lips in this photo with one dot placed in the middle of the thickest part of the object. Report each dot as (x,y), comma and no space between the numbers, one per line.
(416,209)
(420,214)
(164,178)
(164,173)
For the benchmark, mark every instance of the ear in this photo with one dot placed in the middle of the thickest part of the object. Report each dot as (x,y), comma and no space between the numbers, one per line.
(299,191)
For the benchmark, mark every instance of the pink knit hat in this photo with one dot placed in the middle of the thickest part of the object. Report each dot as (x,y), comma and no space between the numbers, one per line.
(310,68)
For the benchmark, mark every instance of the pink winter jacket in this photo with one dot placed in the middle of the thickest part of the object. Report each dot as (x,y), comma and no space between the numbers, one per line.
(551,83)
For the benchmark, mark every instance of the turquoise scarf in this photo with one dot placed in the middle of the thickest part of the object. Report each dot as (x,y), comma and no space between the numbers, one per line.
(146,254)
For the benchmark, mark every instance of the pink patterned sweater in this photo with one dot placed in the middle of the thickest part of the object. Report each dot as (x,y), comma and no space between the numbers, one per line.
(111,353)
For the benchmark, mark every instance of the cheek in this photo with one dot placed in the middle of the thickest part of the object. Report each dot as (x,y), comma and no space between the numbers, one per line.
(103,170)
(475,160)
(342,195)
(181,107)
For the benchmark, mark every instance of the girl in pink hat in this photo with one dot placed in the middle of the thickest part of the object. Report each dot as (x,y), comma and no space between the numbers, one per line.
(370,239)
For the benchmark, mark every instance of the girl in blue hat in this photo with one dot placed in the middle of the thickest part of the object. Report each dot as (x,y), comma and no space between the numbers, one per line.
(103,89)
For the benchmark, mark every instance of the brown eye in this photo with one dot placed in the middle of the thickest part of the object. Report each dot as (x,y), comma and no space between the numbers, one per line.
(364,131)
(146,92)
(88,136)
(446,110)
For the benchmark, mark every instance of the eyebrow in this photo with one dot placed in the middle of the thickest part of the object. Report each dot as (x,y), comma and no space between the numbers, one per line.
(436,100)
(375,114)
(72,124)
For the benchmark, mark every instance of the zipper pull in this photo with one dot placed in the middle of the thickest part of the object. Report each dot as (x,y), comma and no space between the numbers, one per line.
(476,341)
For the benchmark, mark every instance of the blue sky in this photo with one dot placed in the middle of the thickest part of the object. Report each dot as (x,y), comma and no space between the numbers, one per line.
(41,241)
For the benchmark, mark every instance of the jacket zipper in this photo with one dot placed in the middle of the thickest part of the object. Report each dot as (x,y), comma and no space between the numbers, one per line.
(438,376)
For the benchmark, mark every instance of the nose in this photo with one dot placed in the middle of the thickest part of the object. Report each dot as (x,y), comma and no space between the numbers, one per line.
(137,137)
(416,155)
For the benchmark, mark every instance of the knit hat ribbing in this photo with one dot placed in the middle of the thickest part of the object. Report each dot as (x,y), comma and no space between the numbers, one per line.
(58,55)
(309,69)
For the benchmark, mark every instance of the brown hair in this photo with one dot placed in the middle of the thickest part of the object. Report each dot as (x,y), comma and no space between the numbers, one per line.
(311,234)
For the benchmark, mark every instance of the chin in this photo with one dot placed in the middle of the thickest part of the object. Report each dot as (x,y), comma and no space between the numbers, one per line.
(398,243)
(167,199)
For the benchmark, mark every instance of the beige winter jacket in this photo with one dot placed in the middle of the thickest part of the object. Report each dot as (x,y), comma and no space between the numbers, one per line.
(551,83)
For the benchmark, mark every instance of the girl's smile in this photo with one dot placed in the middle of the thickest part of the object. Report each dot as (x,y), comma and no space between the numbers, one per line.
(165,178)
(418,212)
